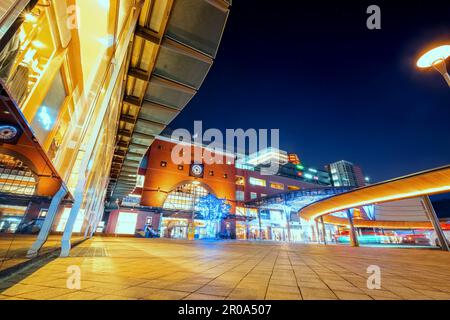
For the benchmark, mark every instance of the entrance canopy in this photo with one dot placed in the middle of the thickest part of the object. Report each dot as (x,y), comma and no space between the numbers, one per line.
(296,200)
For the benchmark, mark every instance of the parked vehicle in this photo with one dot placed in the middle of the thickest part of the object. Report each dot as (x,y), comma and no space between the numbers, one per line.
(416,239)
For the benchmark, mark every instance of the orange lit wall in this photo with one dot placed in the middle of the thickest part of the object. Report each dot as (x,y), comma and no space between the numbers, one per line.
(159,181)
(27,151)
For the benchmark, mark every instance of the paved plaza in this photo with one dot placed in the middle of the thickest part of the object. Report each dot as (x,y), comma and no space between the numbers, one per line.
(128,268)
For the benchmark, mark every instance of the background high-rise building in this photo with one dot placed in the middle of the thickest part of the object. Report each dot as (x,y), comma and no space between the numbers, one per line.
(293,158)
(345,174)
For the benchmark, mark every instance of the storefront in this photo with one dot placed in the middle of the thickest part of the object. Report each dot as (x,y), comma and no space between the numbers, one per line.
(179,228)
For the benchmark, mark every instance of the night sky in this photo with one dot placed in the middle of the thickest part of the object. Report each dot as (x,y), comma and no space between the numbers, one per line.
(335,89)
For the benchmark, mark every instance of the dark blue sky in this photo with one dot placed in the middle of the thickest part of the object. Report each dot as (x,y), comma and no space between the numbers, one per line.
(335,89)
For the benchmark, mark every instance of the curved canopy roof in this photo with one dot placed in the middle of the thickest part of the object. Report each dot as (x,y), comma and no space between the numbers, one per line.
(418,184)
(174,48)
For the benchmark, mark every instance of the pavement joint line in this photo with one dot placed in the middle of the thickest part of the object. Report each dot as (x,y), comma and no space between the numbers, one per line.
(323,281)
(399,275)
(197,291)
(247,273)
(271,274)
(295,275)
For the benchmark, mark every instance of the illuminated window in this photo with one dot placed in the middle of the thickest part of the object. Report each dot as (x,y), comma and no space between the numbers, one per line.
(43,213)
(263,195)
(257,182)
(10,218)
(185,197)
(265,214)
(240,181)
(47,115)
(65,217)
(240,211)
(253,195)
(140,179)
(251,212)
(277,186)
(276,216)
(16,177)
(27,55)
(293,188)
(126,223)
(240,195)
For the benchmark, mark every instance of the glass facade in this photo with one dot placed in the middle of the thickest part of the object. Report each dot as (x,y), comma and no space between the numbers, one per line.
(16,177)
(69,74)
(69,91)
(185,197)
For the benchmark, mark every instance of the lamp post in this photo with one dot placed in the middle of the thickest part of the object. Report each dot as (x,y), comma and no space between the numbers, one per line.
(436,58)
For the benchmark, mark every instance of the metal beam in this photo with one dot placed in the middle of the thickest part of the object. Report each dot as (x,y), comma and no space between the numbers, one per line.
(428,206)
(148,35)
(125,133)
(139,74)
(135,101)
(128,119)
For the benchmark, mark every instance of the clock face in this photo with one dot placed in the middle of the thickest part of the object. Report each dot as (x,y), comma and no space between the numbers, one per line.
(197,170)
(7,132)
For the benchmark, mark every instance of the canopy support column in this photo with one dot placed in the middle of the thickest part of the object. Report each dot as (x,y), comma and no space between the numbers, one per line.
(353,237)
(428,206)
(324,234)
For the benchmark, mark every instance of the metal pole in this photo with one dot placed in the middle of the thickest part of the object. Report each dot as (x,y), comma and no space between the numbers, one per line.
(46,227)
(428,206)
(160,224)
(260,225)
(317,231)
(324,235)
(287,212)
(441,67)
(353,237)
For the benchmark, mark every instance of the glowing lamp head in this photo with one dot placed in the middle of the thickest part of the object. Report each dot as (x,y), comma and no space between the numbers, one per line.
(434,56)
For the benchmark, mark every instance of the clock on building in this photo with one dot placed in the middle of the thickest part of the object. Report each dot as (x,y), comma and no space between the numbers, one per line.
(196,170)
(9,133)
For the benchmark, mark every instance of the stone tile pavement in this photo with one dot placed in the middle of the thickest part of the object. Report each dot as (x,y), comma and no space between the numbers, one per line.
(128,268)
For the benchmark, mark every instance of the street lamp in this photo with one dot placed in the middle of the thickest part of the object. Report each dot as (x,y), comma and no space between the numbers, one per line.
(436,58)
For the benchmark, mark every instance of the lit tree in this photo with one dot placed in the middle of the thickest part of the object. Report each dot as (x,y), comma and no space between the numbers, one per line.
(213,210)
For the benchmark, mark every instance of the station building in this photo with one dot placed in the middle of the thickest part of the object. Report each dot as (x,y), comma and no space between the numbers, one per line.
(168,196)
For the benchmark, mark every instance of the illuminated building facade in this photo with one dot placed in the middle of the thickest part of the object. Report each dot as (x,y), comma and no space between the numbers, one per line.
(85,86)
(168,201)
(345,173)
(293,158)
